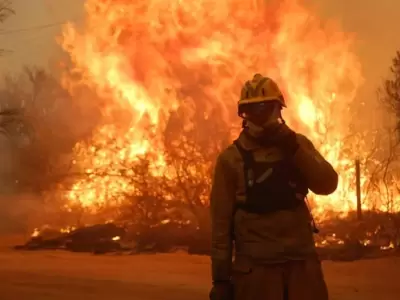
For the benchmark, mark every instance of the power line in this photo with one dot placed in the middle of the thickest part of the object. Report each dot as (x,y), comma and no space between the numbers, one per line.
(35,43)
(39,27)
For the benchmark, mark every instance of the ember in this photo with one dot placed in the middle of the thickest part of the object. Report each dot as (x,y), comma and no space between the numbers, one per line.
(99,238)
(345,239)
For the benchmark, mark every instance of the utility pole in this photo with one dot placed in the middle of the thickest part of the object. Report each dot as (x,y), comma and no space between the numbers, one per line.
(358,189)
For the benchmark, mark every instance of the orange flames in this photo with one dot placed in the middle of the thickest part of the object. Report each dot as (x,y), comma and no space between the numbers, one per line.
(149,57)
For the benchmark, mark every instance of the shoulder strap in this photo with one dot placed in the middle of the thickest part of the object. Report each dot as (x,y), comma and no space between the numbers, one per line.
(246,155)
(248,162)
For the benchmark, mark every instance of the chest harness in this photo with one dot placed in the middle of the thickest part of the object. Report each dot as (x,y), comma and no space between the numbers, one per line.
(270,186)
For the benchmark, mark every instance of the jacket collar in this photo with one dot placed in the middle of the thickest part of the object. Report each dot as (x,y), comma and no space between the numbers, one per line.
(247,143)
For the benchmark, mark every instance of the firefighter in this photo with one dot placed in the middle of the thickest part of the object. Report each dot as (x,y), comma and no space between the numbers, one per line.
(258,201)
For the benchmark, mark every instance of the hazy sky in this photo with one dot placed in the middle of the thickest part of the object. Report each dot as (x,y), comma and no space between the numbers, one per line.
(35,46)
(376,24)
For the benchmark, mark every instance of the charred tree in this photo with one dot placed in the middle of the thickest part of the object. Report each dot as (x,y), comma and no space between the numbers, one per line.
(391,90)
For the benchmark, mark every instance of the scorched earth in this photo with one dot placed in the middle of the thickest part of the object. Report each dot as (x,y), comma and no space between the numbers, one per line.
(66,276)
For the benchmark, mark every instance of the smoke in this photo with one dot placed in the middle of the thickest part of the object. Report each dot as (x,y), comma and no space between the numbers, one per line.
(375,28)
(36,143)
(18,213)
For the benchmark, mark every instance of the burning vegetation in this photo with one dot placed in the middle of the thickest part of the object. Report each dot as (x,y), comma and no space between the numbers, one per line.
(167,74)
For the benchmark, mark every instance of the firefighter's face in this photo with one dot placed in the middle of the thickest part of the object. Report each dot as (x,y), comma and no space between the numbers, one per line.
(262,113)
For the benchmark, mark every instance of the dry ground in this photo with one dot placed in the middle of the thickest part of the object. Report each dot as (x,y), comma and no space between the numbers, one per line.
(67,276)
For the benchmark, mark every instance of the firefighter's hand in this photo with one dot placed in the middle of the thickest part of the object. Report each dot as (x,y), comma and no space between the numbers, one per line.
(221,291)
(286,139)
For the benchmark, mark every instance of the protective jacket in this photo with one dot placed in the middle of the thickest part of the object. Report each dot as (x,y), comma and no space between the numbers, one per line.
(257,202)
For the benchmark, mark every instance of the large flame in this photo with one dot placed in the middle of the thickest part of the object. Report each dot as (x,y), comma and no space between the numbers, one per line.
(150,57)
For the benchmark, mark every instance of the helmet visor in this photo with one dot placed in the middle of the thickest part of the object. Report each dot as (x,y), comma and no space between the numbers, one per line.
(251,110)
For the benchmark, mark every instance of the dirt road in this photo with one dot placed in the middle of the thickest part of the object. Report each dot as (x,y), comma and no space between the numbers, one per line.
(69,276)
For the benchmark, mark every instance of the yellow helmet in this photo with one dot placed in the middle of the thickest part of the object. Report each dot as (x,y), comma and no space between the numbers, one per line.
(260,89)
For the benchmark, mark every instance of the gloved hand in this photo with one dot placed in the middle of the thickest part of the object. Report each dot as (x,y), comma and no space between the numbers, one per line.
(286,139)
(281,136)
(222,291)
